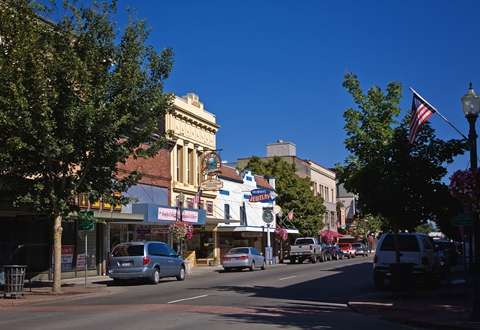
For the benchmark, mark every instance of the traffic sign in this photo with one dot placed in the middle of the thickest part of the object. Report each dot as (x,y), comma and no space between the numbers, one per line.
(86,220)
(267,215)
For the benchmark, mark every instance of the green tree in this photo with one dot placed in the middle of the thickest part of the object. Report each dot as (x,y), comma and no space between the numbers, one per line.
(77,98)
(294,193)
(425,228)
(394,179)
(366,225)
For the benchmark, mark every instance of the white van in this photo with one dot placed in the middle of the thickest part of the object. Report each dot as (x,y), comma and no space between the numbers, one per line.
(415,248)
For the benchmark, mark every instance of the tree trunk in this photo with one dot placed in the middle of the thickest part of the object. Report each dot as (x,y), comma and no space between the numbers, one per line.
(57,254)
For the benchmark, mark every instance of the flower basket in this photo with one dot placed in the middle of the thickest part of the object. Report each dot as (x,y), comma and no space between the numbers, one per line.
(281,233)
(181,230)
(465,186)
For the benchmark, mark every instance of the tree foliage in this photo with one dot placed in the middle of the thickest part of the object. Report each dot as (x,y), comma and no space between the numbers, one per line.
(76,99)
(367,224)
(294,193)
(394,179)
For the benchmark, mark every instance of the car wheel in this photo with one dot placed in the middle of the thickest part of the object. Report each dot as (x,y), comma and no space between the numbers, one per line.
(181,274)
(156,276)
(252,266)
(226,270)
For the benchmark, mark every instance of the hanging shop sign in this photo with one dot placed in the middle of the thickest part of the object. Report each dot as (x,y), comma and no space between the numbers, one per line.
(260,196)
(211,163)
(211,185)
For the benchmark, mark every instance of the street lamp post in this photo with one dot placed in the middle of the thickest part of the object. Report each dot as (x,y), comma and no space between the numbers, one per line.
(471,109)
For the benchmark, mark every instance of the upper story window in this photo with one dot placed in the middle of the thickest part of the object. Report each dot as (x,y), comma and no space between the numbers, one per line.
(191,168)
(209,207)
(248,178)
(179,163)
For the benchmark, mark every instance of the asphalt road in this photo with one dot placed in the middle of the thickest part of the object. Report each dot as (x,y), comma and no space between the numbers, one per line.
(307,296)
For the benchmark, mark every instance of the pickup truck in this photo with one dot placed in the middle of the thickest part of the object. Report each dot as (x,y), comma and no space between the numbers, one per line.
(305,248)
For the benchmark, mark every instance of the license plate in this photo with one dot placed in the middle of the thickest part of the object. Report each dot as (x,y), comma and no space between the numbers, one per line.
(125,264)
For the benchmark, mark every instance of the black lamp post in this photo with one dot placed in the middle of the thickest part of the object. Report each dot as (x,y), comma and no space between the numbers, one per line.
(471,108)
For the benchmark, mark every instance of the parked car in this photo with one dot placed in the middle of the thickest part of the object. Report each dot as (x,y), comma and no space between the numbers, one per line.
(337,253)
(360,249)
(415,249)
(145,260)
(347,250)
(305,248)
(243,257)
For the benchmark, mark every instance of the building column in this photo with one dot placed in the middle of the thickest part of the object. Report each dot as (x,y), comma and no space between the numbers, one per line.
(185,162)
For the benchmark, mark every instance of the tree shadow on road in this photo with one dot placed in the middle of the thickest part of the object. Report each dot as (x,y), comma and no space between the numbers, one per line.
(337,287)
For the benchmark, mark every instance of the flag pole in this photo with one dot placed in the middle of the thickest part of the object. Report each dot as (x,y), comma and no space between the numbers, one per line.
(439,113)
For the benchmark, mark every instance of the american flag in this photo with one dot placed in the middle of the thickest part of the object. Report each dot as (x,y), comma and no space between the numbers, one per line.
(421,111)
(290,215)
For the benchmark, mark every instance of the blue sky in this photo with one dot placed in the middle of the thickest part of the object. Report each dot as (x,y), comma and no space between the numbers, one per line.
(273,69)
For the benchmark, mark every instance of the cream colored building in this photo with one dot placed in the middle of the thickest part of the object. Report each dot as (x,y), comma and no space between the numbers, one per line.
(193,131)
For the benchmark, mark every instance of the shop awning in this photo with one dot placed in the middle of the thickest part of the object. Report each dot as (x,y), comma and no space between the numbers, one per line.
(236,227)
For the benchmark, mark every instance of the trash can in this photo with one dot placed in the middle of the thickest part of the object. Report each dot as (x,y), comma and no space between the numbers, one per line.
(14,280)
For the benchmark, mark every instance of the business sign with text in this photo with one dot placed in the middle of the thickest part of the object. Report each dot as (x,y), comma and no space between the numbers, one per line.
(260,196)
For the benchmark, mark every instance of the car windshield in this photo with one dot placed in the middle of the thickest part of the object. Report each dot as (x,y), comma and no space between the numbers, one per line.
(238,251)
(128,250)
(408,243)
(303,241)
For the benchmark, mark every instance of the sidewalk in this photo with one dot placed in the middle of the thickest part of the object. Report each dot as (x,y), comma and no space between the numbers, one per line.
(446,307)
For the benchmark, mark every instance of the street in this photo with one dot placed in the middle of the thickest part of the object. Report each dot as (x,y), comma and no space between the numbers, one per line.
(306,296)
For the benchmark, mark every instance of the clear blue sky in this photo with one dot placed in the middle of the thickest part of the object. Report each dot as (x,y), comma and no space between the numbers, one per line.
(273,69)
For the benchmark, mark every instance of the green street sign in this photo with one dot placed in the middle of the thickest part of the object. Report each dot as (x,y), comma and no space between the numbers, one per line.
(463,219)
(86,220)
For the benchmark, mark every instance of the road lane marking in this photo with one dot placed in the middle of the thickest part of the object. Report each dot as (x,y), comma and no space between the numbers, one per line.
(287,278)
(191,298)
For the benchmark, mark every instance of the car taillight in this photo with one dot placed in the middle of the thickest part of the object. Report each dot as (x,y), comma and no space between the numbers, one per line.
(146,261)
(375,259)
(243,257)
(425,261)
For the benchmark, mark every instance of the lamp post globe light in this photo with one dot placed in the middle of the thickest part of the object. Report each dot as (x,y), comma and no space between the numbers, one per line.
(471,109)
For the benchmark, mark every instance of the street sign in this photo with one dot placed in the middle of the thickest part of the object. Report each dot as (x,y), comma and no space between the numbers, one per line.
(462,219)
(267,215)
(86,220)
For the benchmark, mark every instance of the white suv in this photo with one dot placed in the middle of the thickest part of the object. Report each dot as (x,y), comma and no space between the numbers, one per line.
(415,248)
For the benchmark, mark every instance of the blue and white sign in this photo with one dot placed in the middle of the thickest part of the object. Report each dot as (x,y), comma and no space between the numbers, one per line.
(260,196)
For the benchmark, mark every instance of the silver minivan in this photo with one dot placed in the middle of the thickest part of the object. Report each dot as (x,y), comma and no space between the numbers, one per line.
(145,260)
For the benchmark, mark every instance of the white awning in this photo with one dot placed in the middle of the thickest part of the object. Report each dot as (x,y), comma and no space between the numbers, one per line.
(236,227)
